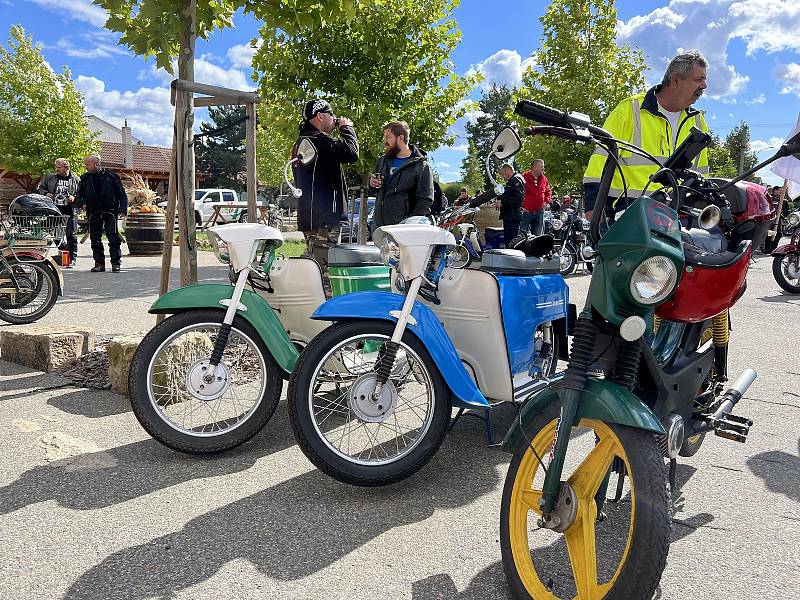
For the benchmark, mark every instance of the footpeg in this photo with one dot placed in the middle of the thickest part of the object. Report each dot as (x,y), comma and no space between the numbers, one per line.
(733,427)
(724,423)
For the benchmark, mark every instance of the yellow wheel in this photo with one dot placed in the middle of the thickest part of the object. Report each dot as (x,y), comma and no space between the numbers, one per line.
(619,552)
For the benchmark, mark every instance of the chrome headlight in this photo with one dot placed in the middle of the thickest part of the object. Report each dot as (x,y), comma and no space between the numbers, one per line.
(390,253)
(793,219)
(220,247)
(653,280)
(556,224)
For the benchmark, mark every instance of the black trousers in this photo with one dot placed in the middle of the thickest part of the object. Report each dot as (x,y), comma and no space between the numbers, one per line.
(510,230)
(98,222)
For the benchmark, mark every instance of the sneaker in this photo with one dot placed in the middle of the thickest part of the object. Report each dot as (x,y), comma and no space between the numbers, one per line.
(98,268)
(116,268)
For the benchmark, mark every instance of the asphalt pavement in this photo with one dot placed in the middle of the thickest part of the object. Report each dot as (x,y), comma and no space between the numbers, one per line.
(92,508)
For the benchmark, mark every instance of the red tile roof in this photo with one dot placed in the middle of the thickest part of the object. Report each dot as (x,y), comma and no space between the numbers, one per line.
(146,159)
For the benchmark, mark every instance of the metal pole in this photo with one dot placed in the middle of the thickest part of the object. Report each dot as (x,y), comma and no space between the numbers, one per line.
(250,144)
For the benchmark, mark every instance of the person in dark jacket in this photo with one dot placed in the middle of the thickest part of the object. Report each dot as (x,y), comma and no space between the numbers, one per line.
(403,178)
(61,188)
(101,192)
(320,208)
(511,202)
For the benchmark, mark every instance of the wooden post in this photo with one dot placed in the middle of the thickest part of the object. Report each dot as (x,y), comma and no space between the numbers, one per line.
(169,226)
(250,144)
(184,109)
(781,199)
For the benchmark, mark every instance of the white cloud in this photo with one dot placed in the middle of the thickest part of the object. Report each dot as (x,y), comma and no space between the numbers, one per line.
(95,49)
(241,56)
(504,67)
(462,147)
(790,76)
(759,145)
(147,110)
(444,165)
(204,72)
(760,99)
(81,10)
(710,26)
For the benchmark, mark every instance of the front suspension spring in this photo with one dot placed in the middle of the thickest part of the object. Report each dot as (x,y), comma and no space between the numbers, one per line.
(580,359)
(219,344)
(626,367)
(385,362)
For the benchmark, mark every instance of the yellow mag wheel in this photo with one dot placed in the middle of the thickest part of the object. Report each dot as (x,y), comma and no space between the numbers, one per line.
(617,554)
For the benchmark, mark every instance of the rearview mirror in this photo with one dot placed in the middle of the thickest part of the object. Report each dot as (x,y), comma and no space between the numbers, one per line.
(506,144)
(306,152)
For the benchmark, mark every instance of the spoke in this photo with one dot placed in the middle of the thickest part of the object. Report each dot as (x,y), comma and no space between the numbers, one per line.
(590,473)
(581,545)
(531,498)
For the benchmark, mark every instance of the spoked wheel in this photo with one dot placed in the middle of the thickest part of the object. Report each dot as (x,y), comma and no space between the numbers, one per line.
(343,429)
(28,291)
(786,270)
(459,257)
(175,403)
(617,553)
(569,259)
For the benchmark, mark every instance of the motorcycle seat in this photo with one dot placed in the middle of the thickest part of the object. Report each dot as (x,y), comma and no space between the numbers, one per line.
(698,258)
(495,230)
(354,255)
(709,241)
(515,262)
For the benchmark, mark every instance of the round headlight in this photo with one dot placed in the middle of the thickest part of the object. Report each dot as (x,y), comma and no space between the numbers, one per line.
(793,219)
(556,224)
(653,280)
(390,254)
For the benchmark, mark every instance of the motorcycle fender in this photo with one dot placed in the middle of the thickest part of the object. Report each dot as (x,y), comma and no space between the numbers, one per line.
(258,314)
(786,249)
(378,305)
(46,258)
(601,400)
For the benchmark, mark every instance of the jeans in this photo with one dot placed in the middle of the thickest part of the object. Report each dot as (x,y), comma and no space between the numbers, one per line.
(510,230)
(72,238)
(97,223)
(533,222)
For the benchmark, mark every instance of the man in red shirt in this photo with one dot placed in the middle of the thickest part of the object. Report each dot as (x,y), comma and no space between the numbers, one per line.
(537,195)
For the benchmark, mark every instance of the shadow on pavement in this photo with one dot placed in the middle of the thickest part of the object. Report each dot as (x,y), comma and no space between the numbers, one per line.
(297,527)
(489,583)
(779,470)
(94,404)
(783,298)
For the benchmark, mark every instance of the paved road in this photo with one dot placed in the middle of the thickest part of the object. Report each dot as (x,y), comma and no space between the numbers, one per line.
(91,507)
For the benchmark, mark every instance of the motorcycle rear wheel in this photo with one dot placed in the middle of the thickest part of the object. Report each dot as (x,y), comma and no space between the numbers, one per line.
(166,394)
(36,295)
(339,429)
(619,556)
(780,264)
(569,259)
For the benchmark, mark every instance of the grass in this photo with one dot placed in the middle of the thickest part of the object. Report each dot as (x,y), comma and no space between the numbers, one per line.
(288,248)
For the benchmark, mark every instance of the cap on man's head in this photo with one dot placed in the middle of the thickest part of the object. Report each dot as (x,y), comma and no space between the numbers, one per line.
(313,107)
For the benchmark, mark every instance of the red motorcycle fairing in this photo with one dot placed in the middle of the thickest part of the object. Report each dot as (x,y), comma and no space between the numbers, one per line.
(786,249)
(709,285)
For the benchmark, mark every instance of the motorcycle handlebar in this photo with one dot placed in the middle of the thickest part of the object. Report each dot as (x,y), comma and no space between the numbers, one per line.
(557,118)
(562,132)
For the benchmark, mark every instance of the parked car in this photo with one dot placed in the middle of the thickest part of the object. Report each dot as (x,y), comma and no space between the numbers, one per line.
(345,222)
(204,200)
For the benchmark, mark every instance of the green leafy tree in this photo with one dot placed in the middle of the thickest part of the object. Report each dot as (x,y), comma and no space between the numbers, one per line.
(389,61)
(473,175)
(579,67)
(41,113)
(222,155)
(720,163)
(738,143)
(495,113)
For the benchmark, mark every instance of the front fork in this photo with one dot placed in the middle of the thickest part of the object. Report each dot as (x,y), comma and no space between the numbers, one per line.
(225,329)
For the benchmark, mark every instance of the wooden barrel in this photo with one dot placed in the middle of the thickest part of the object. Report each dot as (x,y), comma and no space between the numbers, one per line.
(144,233)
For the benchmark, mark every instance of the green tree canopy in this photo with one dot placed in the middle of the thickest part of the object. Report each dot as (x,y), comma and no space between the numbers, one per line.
(222,155)
(738,143)
(473,175)
(720,163)
(495,108)
(41,113)
(579,67)
(390,61)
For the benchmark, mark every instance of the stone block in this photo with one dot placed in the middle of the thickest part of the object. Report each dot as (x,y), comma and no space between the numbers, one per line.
(45,347)
(120,352)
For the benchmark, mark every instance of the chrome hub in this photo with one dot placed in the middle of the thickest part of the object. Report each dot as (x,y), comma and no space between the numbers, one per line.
(205,382)
(564,512)
(363,403)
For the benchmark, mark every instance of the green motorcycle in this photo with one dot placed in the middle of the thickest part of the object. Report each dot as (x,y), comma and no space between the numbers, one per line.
(631,396)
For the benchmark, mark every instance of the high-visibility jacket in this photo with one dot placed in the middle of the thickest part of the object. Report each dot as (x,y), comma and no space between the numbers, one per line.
(638,120)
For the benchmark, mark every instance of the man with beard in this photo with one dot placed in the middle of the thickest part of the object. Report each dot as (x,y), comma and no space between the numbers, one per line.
(61,188)
(403,178)
(657,121)
(320,208)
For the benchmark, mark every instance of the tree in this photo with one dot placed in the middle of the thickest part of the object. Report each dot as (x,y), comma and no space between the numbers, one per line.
(222,155)
(579,67)
(41,113)
(738,144)
(473,175)
(720,163)
(495,113)
(390,61)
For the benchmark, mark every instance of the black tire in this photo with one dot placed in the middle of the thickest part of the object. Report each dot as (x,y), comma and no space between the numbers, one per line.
(143,400)
(691,445)
(242,216)
(304,425)
(198,219)
(569,260)
(39,289)
(645,557)
(780,275)
(461,257)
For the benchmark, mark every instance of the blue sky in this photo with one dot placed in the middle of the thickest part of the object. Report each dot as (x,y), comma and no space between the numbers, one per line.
(752,45)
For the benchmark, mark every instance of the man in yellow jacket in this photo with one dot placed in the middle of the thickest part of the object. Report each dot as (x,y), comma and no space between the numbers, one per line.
(656,121)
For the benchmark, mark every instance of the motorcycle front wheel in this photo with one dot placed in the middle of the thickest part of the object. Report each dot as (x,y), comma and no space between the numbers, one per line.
(28,291)
(177,406)
(459,257)
(569,259)
(786,270)
(338,425)
(620,552)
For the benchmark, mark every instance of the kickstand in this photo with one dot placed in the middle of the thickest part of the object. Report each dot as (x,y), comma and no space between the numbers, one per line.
(673,467)
(455,419)
(486,417)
